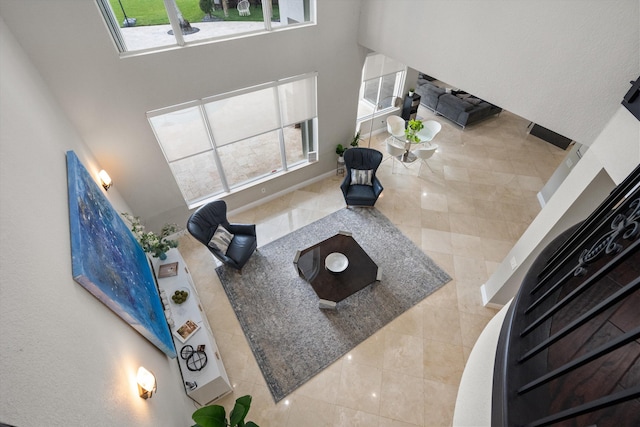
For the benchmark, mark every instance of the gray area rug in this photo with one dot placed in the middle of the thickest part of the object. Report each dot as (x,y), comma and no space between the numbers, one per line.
(291,338)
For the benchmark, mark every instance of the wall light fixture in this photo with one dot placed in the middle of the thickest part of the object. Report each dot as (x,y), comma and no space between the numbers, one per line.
(146,383)
(105,178)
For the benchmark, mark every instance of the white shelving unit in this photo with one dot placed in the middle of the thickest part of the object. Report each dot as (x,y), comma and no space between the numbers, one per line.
(211,382)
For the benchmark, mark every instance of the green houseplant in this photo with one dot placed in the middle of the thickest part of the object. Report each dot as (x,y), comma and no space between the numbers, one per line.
(215,415)
(355,140)
(152,243)
(411,132)
(340,150)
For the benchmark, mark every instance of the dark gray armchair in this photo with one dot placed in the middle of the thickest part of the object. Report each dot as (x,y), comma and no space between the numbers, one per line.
(361,194)
(203,223)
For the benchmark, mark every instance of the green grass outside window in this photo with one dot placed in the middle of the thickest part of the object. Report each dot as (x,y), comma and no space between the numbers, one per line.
(152,12)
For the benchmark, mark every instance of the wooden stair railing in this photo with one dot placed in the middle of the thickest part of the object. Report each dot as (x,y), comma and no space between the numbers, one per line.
(569,349)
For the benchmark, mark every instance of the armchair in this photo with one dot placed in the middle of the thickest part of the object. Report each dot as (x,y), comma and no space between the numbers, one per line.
(361,187)
(204,222)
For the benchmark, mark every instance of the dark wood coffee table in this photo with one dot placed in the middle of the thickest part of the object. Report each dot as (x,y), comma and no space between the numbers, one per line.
(332,287)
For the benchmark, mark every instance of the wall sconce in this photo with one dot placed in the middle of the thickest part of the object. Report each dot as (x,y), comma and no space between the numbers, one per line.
(105,179)
(146,383)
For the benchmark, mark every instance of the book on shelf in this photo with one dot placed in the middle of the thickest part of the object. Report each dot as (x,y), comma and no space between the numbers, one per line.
(168,270)
(187,329)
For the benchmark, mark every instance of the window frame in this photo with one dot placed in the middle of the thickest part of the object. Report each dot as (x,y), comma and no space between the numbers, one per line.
(308,138)
(378,76)
(113,27)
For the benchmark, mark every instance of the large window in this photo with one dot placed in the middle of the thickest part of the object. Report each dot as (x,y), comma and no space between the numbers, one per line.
(223,143)
(139,25)
(382,83)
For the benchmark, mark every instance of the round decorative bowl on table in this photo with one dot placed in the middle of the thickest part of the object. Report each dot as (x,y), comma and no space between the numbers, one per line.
(336,262)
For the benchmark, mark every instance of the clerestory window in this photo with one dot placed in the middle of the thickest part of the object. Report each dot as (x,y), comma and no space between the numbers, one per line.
(224,143)
(146,25)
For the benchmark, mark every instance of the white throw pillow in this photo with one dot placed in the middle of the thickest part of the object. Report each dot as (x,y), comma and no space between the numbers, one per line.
(221,239)
(361,176)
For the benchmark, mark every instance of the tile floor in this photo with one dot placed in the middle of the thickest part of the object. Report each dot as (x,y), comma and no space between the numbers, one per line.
(465,214)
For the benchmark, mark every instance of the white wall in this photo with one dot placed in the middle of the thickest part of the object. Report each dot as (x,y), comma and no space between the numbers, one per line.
(561,63)
(65,358)
(106,97)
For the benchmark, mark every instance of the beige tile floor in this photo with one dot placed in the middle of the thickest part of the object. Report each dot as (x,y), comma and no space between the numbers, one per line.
(465,214)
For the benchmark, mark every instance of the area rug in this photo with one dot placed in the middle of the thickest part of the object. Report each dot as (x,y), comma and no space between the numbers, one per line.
(291,338)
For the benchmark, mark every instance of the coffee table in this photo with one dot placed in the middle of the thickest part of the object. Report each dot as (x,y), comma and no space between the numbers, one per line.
(333,287)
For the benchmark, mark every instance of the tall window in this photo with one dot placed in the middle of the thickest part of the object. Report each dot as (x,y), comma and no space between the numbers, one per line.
(382,82)
(138,25)
(223,143)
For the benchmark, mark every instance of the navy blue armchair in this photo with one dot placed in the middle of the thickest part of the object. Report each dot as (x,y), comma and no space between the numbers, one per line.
(361,187)
(204,222)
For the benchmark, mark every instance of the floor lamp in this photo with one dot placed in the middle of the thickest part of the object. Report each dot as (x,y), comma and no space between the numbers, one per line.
(375,108)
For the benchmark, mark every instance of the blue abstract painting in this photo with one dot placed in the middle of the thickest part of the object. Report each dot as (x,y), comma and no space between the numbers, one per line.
(108,261)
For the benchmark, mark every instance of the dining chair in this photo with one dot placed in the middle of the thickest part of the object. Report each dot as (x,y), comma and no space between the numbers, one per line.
(429,131)
(395,126)
(424,153)
(395,150)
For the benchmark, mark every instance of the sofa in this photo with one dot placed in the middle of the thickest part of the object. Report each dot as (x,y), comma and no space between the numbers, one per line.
(458,106)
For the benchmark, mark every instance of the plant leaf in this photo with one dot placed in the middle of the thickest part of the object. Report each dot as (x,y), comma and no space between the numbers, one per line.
(210,416)
(240,410)
(251,424)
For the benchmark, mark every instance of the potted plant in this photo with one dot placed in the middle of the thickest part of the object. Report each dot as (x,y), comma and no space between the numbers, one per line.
(215,416)
(411,90)
(340,152)
(151,243)
(355,140)
(411,132)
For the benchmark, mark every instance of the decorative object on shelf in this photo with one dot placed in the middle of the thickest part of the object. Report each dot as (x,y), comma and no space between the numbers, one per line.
(151,243)
(196,359)
(168,270)
(187,329)
(108,261)
(105,179)
(215,415)
(180,296)
(186,351)
(411,132)
(411,91)
(146,382)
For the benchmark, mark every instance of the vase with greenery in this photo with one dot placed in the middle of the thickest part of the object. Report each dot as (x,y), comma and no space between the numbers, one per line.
(411,132)
(152,243)
(215,415)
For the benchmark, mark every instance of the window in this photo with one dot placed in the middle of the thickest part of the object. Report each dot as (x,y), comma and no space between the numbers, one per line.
(142,25)
(223,143)
(382,82)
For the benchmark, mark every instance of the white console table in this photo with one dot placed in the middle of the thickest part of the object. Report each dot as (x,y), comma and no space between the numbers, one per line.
(211,382)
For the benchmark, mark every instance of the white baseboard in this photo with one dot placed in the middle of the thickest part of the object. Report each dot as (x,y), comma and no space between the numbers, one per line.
(282,193)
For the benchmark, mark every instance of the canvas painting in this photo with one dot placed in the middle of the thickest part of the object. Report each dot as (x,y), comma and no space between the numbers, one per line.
(108,261)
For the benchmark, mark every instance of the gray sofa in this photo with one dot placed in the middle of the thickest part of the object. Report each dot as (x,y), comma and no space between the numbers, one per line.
(459,107)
